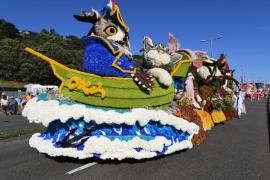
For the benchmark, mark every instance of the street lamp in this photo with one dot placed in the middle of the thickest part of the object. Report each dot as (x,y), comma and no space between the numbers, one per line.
(211,41)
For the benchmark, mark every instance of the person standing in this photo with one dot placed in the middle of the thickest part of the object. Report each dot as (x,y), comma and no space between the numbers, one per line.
(25,100)
(238,104)
(19,101)
(13,105)
(4,104)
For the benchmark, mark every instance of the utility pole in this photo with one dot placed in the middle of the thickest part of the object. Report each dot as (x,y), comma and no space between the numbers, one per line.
(242,76)
(211,41)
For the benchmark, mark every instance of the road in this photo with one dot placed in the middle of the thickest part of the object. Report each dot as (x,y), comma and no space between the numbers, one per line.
(238,149)
(16,123)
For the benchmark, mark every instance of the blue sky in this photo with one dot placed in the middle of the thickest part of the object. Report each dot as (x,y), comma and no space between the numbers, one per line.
(245,25)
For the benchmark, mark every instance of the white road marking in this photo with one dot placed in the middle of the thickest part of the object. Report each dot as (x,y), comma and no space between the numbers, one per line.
(81,168)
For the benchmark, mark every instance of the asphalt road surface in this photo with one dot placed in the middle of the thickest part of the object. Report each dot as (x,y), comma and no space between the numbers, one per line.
(15,123)
(237,150)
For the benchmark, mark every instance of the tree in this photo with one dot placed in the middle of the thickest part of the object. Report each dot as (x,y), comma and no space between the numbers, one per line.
(8,58)
(8,30)
(138,60)
(16,64)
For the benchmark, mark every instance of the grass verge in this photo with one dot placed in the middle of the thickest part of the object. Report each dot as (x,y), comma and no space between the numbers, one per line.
(11,84)
(12,134)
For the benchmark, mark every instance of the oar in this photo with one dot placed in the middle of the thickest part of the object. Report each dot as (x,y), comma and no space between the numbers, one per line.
(41,56)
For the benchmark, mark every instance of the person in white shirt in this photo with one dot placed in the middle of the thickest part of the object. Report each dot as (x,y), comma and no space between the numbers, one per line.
(4,104)
(239,105)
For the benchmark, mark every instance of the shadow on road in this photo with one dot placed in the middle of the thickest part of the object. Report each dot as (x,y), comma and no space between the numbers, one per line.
(115,162)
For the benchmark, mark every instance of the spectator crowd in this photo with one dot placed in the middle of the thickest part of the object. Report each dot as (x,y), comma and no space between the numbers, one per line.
(11,105)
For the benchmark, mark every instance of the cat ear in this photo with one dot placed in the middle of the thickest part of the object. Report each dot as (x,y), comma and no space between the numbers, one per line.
(173,44)
(147,43)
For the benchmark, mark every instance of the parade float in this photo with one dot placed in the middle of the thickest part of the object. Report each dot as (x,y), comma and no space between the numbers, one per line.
(205,95)
(184,102)
(114,109)
(210,88)
(252,92)
(111,109)
(215,87)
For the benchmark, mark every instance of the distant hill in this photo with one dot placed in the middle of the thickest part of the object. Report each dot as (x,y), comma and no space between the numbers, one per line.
(17,65)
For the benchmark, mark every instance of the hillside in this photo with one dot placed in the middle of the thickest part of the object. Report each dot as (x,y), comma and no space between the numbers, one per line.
(17,65)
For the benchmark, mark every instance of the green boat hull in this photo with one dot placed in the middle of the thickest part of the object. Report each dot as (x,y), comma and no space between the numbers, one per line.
(120,93)
(110,92)
(181,69)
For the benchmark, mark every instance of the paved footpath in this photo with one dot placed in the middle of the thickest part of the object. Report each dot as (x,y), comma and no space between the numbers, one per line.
(237,150)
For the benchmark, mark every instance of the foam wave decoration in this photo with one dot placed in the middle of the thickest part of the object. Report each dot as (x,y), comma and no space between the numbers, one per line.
(116,134)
